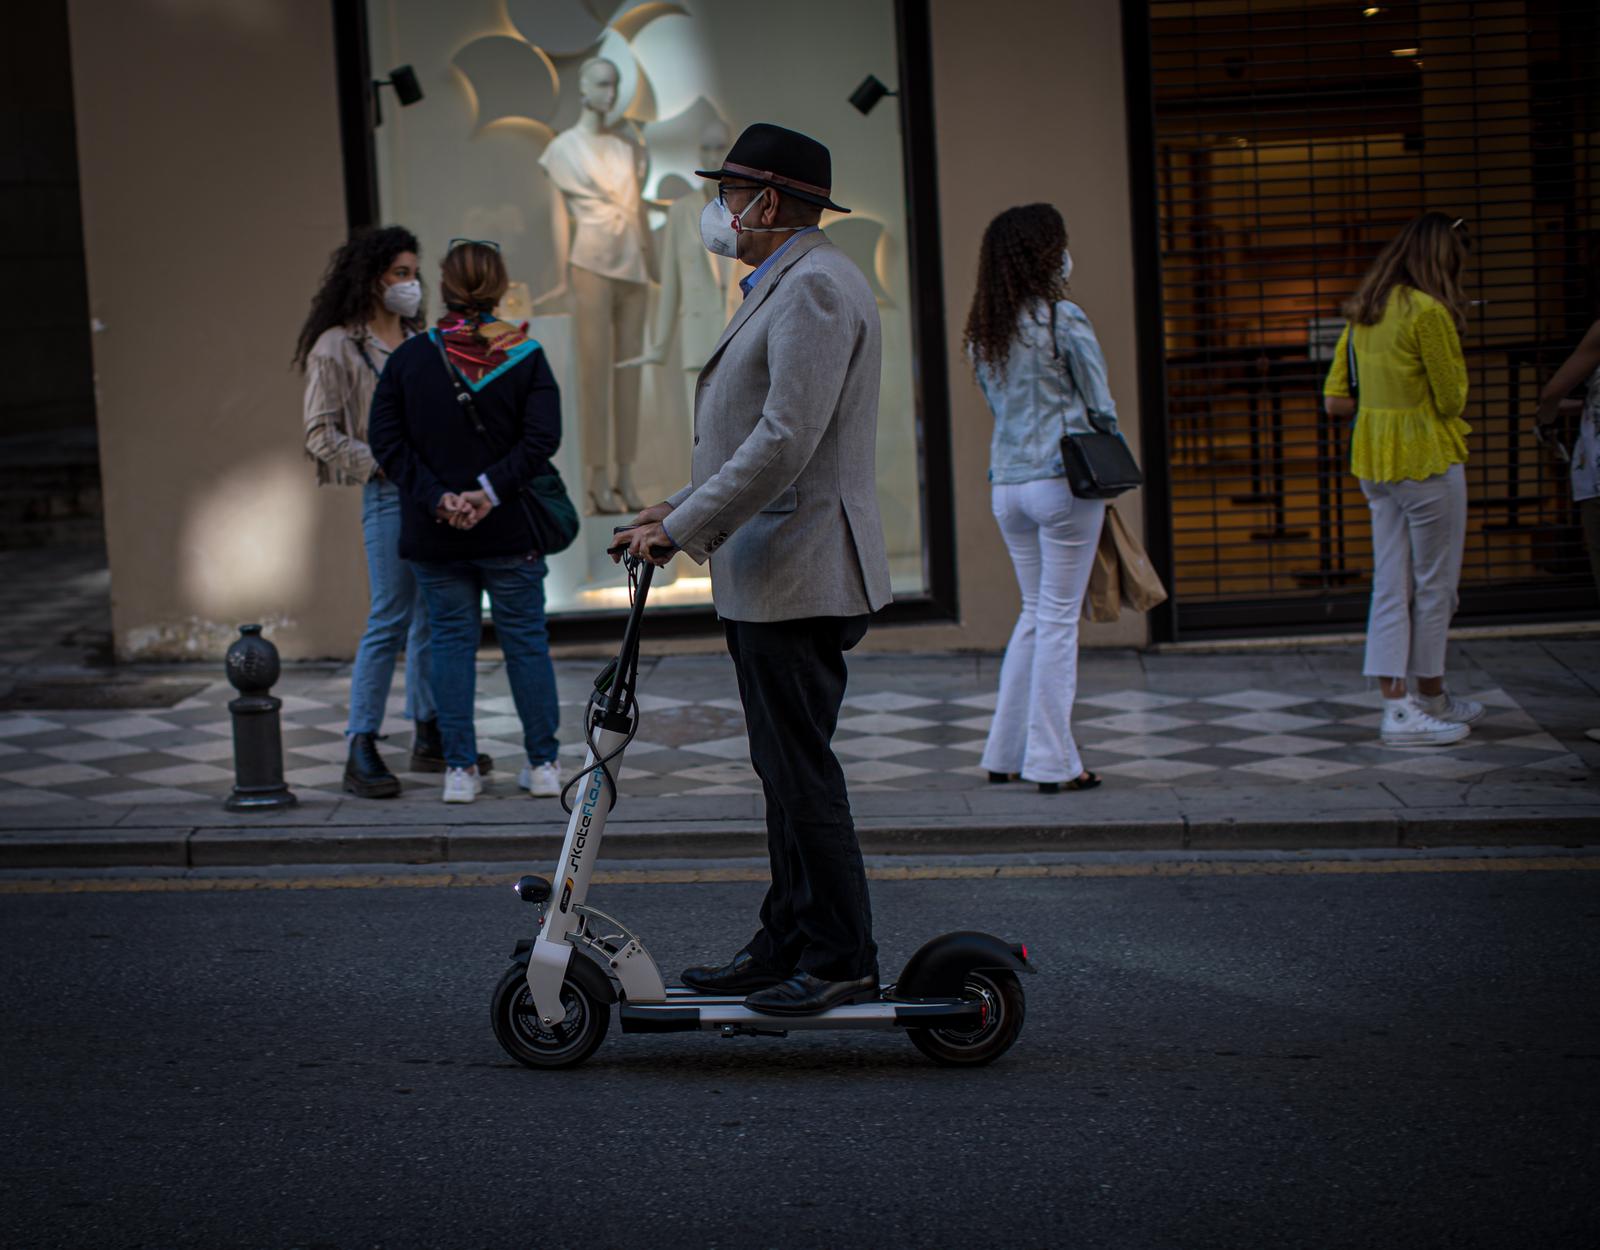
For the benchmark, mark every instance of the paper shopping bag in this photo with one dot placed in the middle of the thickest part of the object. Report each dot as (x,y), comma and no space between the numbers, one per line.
(1103,602)
(1140,587)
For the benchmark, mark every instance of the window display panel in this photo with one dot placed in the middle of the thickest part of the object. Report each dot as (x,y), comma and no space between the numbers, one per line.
(569,132)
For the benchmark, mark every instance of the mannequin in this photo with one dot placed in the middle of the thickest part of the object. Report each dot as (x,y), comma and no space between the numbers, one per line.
(602,255)
(699,291)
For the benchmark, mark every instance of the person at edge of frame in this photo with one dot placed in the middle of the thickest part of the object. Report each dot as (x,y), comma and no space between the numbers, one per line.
(1582,368)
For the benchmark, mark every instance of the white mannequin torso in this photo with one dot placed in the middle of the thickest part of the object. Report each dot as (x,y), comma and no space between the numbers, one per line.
(598,176)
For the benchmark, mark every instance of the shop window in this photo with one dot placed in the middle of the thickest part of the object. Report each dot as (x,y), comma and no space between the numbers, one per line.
(494,152)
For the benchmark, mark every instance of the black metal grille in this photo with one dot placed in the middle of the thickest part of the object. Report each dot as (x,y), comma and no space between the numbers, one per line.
(1292,140)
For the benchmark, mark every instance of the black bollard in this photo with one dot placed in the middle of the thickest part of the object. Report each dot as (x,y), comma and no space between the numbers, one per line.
(257,738)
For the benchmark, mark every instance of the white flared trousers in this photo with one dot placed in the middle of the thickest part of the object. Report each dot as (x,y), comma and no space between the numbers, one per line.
(1419,532)
(1052,536)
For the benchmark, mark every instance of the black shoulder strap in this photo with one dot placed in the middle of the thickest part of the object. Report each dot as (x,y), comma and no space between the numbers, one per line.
(1066,363)
(463,393)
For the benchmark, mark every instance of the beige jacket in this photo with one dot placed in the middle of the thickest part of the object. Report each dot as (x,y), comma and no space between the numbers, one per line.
(784,482)
(339,386)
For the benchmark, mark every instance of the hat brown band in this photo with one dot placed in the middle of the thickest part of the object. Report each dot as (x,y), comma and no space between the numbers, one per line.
(778,180)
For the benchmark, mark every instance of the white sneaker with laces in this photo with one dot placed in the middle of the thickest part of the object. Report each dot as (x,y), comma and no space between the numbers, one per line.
(1405,724)
(462,785)
(542,781)
(1445,706)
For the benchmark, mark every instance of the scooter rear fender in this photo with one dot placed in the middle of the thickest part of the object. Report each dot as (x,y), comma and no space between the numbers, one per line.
(581,968)
(940,966)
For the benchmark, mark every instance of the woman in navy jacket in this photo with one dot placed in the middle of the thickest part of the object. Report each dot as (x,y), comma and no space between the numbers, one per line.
(462,525)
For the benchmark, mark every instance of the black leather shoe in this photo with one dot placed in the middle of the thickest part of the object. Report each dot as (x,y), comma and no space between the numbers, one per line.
(427,750)
(739,975)
(365,774)
(806,995)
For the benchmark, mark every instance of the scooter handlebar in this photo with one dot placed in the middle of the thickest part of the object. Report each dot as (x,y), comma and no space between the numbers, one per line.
(616,549)
(659,552)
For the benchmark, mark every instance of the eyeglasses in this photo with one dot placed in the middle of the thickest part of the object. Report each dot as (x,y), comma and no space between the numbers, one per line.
(723,188)
(454,243)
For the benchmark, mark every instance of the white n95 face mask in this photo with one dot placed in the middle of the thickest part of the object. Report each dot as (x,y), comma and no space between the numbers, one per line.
(720,229)
(403,297)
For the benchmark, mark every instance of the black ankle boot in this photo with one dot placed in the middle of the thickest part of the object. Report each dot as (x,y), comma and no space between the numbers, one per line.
(365,773)
(427,750)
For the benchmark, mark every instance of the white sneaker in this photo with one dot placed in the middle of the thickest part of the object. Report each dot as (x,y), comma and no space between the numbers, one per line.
(1445,706)
(462,785)
(1405,724)
(542,781)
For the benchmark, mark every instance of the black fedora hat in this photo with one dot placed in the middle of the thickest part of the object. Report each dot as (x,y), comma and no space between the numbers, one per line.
(785,160)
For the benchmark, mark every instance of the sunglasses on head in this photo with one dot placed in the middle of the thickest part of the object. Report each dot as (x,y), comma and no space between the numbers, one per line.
(455,243)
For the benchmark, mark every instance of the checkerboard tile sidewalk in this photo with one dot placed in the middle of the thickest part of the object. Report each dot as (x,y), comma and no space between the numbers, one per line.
(897,733)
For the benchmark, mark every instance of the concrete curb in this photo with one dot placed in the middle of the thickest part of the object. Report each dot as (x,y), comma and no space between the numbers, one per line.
(232,846)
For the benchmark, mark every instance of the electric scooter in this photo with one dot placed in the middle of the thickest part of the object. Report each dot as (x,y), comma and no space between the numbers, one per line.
(959,999)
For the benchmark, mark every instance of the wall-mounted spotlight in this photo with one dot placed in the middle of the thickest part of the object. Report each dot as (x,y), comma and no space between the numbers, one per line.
(865,97)
(406,89)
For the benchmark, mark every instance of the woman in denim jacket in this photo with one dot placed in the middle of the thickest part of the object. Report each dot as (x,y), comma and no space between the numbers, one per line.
(1041,370)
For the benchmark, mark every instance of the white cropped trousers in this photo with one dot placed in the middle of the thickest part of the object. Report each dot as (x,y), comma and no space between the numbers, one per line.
(1419,532)
(1052,536)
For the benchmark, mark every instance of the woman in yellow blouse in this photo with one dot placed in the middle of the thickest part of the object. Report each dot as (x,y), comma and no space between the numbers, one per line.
(1408,448)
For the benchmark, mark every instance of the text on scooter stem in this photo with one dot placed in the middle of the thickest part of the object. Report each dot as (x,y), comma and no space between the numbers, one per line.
(585,819)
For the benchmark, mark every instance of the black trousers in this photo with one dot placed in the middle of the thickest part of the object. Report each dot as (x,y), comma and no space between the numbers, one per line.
(816,916)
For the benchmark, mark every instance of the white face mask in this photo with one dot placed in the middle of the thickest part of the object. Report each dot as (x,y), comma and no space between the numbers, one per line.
(1066,265)
(403,297)
(720,229)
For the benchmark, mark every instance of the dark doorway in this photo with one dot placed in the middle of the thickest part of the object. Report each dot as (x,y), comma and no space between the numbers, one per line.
(53,576)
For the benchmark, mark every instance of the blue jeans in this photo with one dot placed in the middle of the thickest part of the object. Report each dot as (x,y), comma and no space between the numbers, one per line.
(454,593)
(396,618)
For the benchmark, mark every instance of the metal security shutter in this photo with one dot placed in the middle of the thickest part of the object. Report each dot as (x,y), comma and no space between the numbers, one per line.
(1292,138)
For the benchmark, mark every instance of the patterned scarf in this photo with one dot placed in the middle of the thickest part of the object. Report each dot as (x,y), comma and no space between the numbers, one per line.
(478,345)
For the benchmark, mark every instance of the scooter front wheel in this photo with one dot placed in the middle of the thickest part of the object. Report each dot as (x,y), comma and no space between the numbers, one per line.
(564,1044)
(1000,1021)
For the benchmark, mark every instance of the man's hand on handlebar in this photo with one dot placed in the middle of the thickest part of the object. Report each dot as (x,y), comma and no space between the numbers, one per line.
(644,542)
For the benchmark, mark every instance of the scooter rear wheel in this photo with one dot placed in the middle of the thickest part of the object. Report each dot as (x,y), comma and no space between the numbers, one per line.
(565,1044)
(1001,995)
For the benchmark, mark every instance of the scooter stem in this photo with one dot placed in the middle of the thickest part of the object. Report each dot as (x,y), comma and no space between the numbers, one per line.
(607,732)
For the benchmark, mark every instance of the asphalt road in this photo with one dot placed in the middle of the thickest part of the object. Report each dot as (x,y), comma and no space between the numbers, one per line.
(1256,1060)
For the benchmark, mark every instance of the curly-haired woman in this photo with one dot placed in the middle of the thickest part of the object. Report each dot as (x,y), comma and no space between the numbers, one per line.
(368,304)
(1039,364)
(1407,449)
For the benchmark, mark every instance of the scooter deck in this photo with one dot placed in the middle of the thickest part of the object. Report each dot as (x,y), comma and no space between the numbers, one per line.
(684,1011)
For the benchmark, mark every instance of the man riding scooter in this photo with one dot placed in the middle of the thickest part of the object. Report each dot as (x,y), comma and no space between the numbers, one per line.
(783,503)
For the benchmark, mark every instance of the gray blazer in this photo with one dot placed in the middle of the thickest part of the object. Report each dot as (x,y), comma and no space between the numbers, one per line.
(784,480)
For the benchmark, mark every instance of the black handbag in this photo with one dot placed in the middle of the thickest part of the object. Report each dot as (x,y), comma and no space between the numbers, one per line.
(1099,465)
(546,506)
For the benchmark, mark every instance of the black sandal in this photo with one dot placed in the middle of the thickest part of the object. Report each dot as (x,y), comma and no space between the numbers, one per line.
(999,779)
(1088,781)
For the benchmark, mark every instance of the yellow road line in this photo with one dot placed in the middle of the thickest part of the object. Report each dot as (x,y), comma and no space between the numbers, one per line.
(911,872)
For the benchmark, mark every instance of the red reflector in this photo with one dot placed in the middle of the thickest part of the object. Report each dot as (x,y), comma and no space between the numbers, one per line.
(1024,952)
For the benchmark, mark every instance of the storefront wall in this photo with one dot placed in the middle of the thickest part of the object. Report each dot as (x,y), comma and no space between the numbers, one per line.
(208,144)
(212,188)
